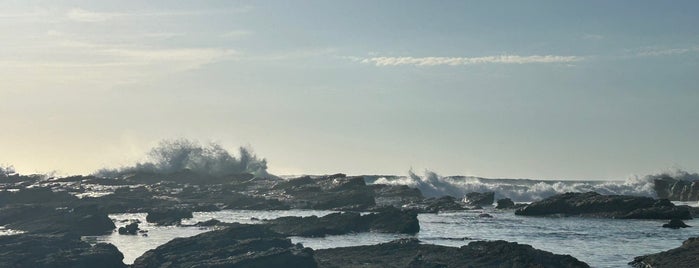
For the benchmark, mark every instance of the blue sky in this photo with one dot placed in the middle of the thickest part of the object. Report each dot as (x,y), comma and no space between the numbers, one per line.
(535,89)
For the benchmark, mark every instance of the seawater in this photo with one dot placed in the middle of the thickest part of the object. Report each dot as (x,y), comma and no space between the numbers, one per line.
(598,242)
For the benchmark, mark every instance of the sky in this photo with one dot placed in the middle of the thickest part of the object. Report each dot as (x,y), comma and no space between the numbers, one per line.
(506,89)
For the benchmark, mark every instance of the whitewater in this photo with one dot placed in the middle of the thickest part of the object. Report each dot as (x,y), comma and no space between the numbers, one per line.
(519,190)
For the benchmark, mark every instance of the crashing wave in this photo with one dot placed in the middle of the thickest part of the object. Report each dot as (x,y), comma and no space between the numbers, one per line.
(178,155)
(519,190)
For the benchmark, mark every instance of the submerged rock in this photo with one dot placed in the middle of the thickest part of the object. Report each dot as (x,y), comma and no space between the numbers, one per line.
(675,224)
(32,250)
(236,246)
(480,199)
(683,256)
(387,220)
(411,253)
(608,206)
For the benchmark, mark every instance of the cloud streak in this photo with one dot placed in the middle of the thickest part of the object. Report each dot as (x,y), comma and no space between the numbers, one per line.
(83,15)
(459,61)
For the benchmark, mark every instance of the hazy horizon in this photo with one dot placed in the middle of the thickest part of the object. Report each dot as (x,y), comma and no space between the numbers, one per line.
(592,90)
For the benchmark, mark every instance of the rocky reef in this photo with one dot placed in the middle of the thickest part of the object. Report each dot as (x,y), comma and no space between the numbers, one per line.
(411,253)
(37,250)
(683,256)
(236,246)
(592,204)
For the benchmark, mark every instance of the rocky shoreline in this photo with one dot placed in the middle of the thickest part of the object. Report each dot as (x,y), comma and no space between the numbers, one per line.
(48,211)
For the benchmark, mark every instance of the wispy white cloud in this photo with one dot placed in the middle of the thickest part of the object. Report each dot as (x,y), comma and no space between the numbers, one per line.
(666,51)
(457,61)
(83,15)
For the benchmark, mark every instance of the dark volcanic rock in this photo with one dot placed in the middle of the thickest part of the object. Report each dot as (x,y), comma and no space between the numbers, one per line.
(505,203)
(387,220)
(395,195)
(683,256)
(168,216)
(328,192)
(480,199)
(675,224)
(609,206)
(130,229)
(31,250)
(237,246)
(410,253)
(82,220)
(36,195)
(434,205)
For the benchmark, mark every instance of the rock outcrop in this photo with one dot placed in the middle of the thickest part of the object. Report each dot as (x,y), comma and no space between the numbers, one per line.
(505,203)
(480,199)
(337,192)
(81,220)
(387,220)
(129,229)
(675,224)
(236,246)
(44,251)
(592,204)
(683,256)
(410,253)
(168,216)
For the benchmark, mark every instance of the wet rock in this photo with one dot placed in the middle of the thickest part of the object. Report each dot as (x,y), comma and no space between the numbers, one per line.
(677,187)
(81,220)
(683,256)
(32,250)
(410,253)
(434,205)
(395,195)
(130,229)
(505,203)
(480,199)
(37,195)
(236,246)
(485,215)
(168,216)
(608,206)
(675,224)
(387,220)
(336,192)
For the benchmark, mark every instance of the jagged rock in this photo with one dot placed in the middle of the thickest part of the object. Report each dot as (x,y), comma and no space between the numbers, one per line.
(387,220)
(480,199)
(37,195)
(609,206)
(395,195)
(236,246)
(81,220)
(336,192)
(130,229)
(683,256)
(434,205)
(168,216)
(32,250)
(675,224)
(505,203)
(410,253)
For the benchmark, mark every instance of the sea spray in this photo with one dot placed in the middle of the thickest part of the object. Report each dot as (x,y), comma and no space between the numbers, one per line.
(519,190)
(182,154)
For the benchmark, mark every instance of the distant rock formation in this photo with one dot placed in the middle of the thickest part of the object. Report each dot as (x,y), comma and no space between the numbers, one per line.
(675,224)
(480,199)
(609,206)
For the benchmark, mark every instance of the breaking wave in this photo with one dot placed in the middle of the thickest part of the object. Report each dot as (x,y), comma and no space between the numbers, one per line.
(177,155)
(519,190)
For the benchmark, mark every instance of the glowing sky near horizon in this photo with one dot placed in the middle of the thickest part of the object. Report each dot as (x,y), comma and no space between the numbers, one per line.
(535,89)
